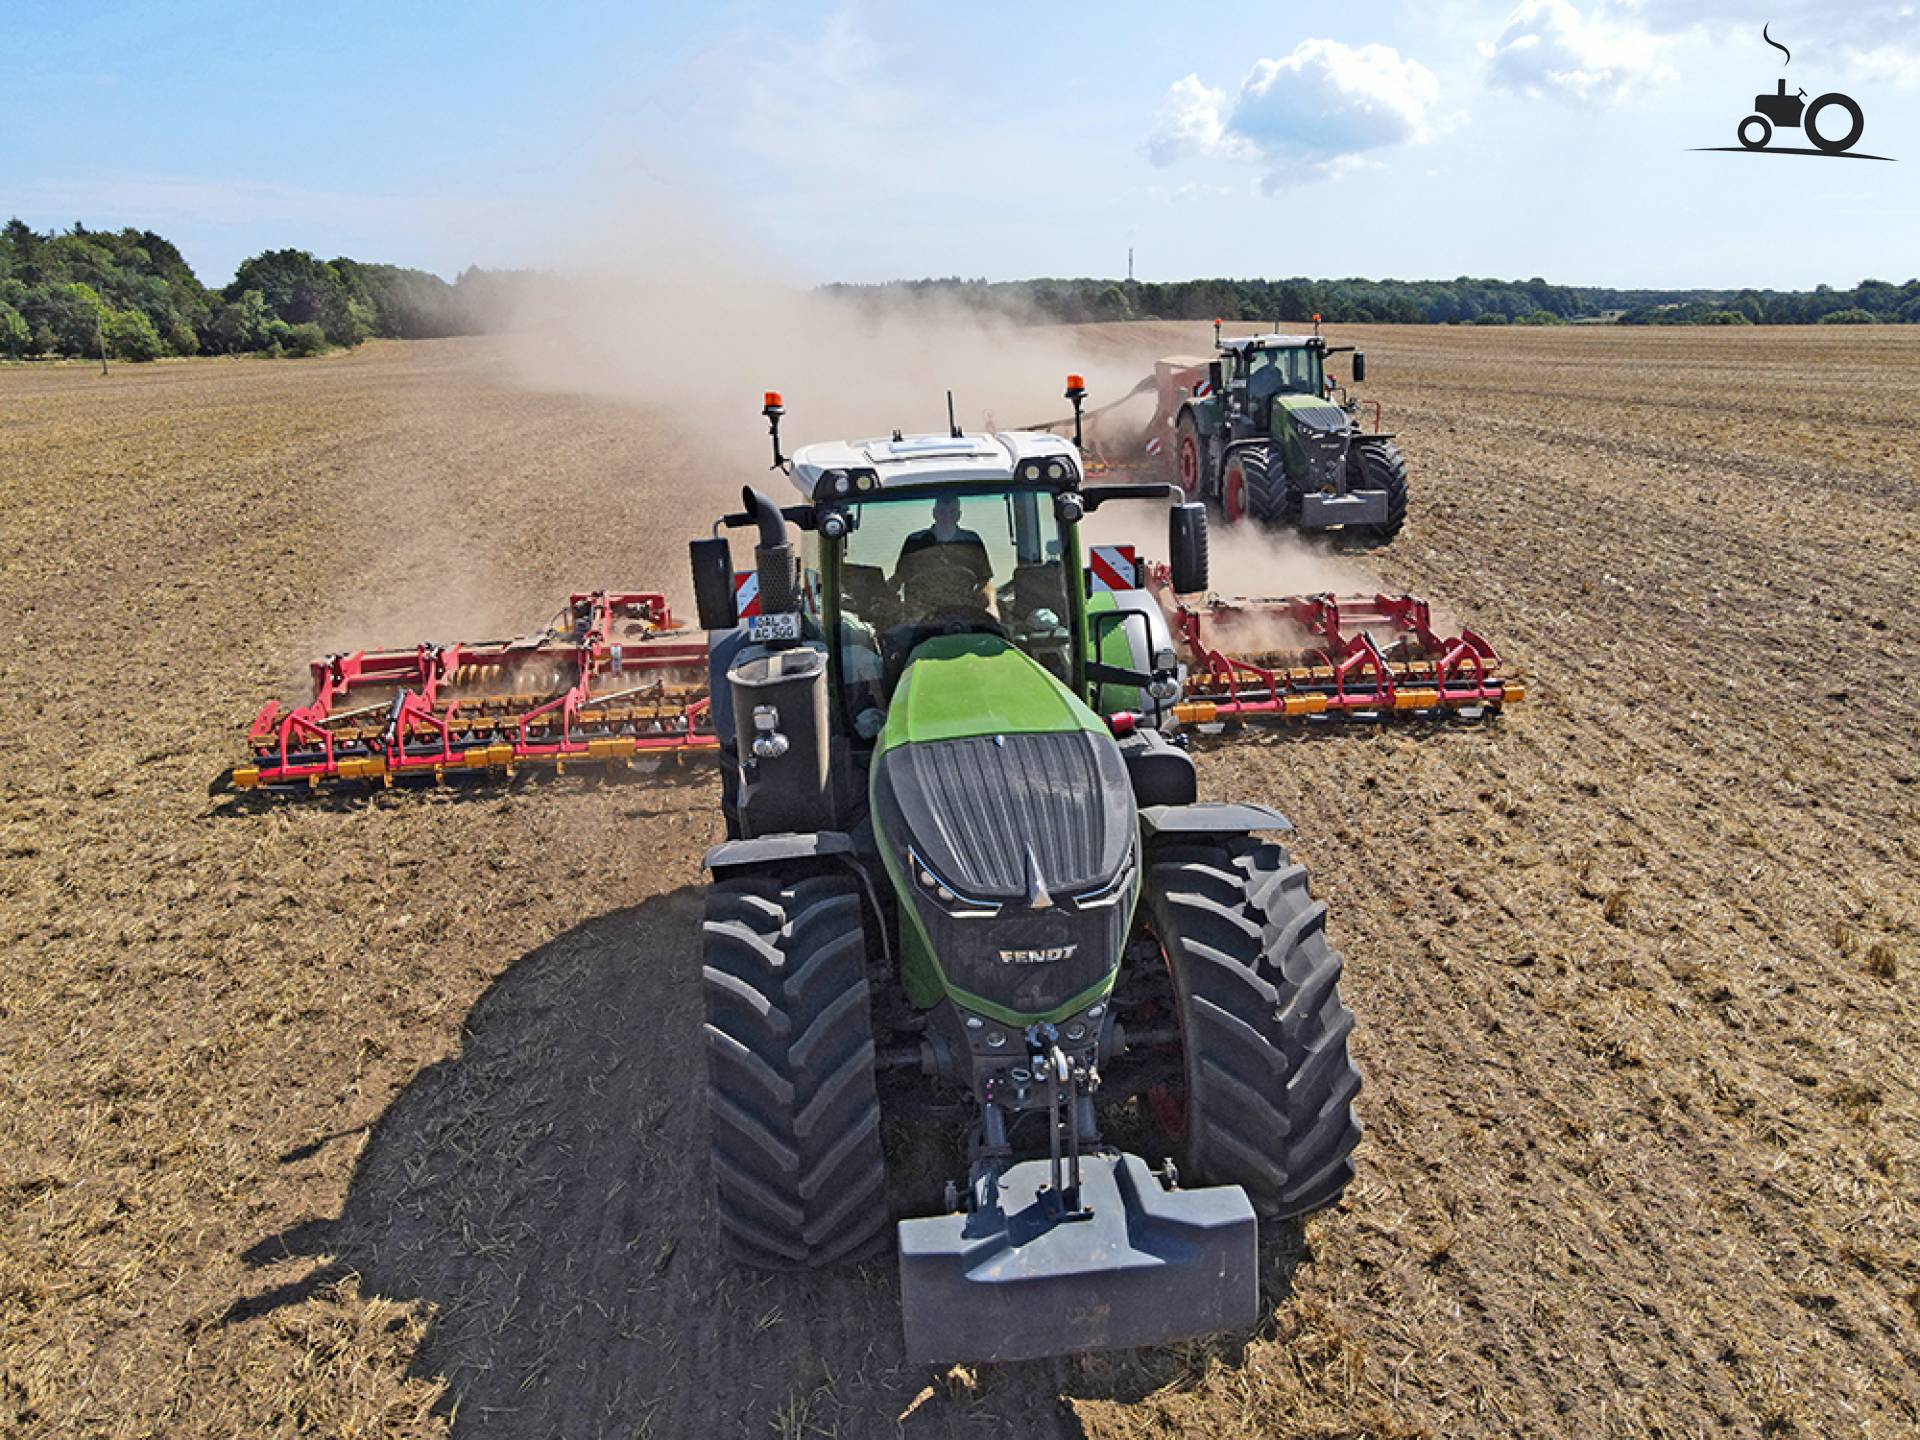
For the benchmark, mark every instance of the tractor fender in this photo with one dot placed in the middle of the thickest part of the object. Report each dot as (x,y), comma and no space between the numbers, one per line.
(1210,818)
(764,850)
(1205,416)
(723,648)
(1361,437)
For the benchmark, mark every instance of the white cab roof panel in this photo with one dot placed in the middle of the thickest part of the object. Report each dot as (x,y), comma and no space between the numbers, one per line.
(919,460)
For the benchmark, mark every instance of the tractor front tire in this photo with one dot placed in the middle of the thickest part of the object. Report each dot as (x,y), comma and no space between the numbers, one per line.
(799,1178)
(1254,486)
(1269,1084)
(1379,465)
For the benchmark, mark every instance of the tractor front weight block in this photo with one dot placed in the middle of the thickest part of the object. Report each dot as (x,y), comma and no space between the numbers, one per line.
(1356,507)
(1024,1275)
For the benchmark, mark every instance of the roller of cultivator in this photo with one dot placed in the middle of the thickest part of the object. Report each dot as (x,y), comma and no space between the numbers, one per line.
(612,680)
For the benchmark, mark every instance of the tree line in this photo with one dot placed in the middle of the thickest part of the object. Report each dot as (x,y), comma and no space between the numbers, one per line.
(131,295)
(1465,300)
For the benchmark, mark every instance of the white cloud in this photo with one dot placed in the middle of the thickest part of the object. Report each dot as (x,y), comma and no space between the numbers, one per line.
(1315,113)
(1193,121)
(1549,48)
(1875,40)
(1889,64)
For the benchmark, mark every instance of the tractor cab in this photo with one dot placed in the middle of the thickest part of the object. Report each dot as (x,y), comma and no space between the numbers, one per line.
(1256,368)
(939,538)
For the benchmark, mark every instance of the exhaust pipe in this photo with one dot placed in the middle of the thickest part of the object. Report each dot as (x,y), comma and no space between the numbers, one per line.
(773,557)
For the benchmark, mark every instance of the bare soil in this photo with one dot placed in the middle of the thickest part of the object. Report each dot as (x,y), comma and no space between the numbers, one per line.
(381,1118)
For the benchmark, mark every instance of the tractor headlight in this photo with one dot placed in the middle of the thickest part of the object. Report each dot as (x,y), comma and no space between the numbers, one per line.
(833,524)
(1070,508)
(865,480)
(1056,470)
(1111,893)
(944,895)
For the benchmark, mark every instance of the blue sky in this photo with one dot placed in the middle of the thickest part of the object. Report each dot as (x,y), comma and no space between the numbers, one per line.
(868,141)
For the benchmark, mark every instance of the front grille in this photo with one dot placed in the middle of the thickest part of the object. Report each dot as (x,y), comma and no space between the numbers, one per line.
(977,807)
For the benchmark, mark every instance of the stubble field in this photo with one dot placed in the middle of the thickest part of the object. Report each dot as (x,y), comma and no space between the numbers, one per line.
(382,1118)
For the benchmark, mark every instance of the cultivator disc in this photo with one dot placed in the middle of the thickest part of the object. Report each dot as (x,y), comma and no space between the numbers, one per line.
(1316,658)
(611,680)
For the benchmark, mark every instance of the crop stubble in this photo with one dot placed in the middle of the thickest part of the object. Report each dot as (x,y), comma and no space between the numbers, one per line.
(382,1118)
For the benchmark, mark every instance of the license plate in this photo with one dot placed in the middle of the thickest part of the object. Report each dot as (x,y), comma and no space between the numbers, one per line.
(764,629)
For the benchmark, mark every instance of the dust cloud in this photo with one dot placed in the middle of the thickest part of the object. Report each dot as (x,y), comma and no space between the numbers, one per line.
(697,324)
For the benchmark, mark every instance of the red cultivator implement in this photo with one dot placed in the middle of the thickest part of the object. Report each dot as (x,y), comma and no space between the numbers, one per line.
(609,680)
(1319,657)
(614,681)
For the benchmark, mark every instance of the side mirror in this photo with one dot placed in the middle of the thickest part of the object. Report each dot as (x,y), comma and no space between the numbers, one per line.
(1359,366)
(713,597)
(1187,547)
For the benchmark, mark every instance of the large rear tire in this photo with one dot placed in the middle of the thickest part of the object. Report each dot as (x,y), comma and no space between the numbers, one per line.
(1379,465)
(1257,480)
(1269,1086)
(798,1173)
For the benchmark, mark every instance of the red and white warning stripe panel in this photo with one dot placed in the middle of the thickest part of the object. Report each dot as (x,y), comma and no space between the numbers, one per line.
(746,593)
(1112,567)
(1203,389)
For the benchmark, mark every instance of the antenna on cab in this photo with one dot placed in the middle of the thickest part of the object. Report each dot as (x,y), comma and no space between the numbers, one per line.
(953,426)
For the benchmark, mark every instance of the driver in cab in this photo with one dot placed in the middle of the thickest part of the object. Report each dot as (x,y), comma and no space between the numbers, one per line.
(944,568)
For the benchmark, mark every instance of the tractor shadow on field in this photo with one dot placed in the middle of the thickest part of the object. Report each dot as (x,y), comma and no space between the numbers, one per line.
(545,1191)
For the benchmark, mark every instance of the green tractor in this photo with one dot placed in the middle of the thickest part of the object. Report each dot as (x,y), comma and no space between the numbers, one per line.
(1258,435)
(954,867)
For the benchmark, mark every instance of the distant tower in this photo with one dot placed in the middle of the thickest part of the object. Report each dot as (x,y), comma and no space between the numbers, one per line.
(1129,264)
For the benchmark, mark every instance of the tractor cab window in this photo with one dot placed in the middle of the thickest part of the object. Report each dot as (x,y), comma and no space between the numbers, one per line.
(1293,372)
(915,566)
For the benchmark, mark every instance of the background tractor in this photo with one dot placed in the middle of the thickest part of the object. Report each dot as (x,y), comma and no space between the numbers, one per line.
(1261,438)
(1260,432)
(948,858)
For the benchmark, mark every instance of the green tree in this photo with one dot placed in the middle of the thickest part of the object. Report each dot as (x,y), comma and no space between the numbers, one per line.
(241,325)
(15,336)
(131,336)
(72,315)
(307,339)
(300,289)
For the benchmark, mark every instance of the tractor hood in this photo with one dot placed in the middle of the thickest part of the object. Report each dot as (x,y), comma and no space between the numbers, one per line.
(1316,415)
(1006,819)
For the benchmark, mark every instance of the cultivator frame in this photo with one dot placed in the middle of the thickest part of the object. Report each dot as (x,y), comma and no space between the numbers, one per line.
(1356,657)
(618,681)
(614,679)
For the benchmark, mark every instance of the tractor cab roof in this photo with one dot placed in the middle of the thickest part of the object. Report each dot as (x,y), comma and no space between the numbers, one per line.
(916,462)
(1270,341)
